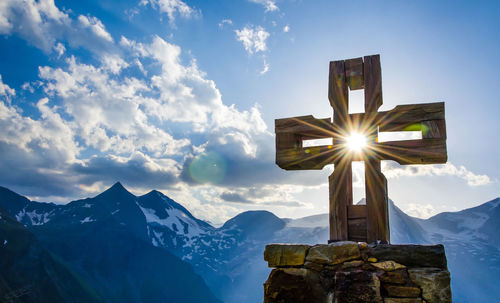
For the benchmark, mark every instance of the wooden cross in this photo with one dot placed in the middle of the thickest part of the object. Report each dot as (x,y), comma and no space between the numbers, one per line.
(370,222)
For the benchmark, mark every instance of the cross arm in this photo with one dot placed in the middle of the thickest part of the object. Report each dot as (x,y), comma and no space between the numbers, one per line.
(429,119)
(290,133)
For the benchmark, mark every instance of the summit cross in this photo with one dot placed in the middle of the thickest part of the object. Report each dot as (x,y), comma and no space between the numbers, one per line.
(370,222)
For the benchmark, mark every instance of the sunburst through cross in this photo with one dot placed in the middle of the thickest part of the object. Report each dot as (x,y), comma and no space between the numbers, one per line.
(355,138)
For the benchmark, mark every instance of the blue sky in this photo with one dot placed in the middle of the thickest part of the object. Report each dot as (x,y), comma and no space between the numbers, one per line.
(155,93)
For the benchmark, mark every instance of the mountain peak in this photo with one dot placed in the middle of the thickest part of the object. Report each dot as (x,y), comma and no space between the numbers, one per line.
(117,190)
(118,185)
(255,222)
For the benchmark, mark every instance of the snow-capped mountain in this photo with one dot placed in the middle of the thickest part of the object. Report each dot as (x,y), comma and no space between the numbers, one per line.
(229,258)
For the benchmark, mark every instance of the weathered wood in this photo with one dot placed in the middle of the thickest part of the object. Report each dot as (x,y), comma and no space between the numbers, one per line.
(355,222)
(434,129)
(373,83)
(356,228)
(314,157)
(340,196)
(425,151)
(341,179)
(403,116)
(377,217)
(354,73)
(356,211)
(338,93)
(305,126)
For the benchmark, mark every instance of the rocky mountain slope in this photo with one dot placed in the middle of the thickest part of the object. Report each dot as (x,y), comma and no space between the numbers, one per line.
(106,241)
(131,247)
(29,273)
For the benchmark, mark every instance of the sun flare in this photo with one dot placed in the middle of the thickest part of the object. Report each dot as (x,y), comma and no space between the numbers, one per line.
(356,142)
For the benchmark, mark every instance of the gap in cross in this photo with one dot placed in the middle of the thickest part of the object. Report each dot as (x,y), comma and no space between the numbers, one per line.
(370,222)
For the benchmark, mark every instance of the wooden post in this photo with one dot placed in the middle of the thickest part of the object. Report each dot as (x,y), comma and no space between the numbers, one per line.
(340,181)
(377,218)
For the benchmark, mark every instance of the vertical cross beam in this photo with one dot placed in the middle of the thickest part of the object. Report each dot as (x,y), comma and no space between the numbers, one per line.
(377,219)
(344,224)
(340,181)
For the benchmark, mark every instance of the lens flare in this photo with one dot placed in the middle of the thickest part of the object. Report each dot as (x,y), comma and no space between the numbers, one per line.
(207,168)
(356,142)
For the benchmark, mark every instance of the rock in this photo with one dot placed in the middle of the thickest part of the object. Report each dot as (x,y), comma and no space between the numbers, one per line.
(394,277)
(351,264)
(402,291)
(388,265)
(278,255)
(293,285)
(356,286)
(411,255)
(434,282)
(362,245)
(333,253)
(402,300)
(313,266)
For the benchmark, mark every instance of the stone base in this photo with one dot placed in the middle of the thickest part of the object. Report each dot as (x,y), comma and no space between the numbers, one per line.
(343,272)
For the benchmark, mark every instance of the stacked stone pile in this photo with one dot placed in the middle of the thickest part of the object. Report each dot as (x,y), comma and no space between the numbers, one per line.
(350,272)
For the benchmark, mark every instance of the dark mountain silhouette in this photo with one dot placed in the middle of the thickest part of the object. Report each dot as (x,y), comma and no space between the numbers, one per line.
(137,249)
(29,273)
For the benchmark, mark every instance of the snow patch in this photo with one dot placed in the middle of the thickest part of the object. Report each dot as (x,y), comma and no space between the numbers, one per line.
(86,220)
(33,217)
(175,217)
(86,205)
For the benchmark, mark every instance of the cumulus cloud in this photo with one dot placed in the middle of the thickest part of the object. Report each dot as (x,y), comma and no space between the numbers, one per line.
(269,5)
(6,90)
(42,24)
(98,124)
(394,170)
(95,25)
(253,39)
(171,7)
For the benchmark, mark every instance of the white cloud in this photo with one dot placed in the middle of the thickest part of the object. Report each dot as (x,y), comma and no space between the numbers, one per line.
(171,8)
(225,21)
(96,26)
(265,69)
(59,48)
(5,90)
(42,24)
(105,112)
(254,40)
(270,5)
(113,63)
(48,139)
(38,22)
(394,170)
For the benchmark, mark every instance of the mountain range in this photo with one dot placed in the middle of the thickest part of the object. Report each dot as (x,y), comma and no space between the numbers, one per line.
(118,247)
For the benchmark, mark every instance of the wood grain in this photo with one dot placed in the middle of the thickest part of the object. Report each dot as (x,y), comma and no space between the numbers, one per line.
(340,195)
(354,73)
